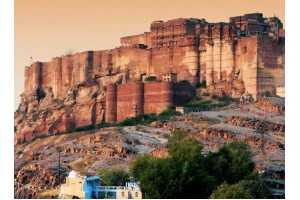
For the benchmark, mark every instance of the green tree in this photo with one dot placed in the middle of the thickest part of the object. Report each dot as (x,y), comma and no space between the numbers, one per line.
(187,173)
(241,164)
(113,176)
(231,163)
(182,175)
(225,191)
(183,148)
(256,187)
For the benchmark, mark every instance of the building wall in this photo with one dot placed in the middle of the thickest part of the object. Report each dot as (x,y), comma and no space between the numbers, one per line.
(129,100)
(73,187)
(135,194)
(247,63)
(193,48)
(270,64)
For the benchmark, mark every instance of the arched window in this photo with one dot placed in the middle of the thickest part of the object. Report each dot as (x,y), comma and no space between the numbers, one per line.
(136,194)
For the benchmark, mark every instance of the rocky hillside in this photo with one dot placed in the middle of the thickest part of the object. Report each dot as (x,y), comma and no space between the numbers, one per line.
(262,128)
(40,114)
(36,163)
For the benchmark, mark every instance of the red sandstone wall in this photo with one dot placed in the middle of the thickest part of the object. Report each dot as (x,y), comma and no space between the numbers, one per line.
(183,92)
(67,68)
(271,72)
(125,102)
(46,74)
(56,65)
(246,63)
(158,97)
(129,100)
(133,40)
(27,79)
(134,59)
(111,104)
(190,47)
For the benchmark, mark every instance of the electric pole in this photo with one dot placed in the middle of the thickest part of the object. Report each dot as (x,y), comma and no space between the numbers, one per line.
(59,151)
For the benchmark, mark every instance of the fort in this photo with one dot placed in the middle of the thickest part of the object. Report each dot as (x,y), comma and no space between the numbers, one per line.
(245,54)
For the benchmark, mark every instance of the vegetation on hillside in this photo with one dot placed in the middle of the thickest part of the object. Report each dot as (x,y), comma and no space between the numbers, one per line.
(151,79)
(187,173)
(113,176)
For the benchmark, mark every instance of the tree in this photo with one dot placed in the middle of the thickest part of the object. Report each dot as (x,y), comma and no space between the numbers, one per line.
(113,176)
(241,164)
(231,163)
(182,175)
(187,173)
(225,191)
(183,148)
(256,187)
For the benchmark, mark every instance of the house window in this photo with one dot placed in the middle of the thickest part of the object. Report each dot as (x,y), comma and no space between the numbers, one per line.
(136,194)
(123,194)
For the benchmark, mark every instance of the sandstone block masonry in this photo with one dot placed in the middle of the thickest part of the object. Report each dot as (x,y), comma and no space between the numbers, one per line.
(245,54)
(130,100)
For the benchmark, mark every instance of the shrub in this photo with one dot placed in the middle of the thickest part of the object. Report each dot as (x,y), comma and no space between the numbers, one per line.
(206,94)
(19,152)
(205,103)
(267,93)
(39,137)
(113,176)
(20,121)
(35,116)
(151,79)
(102,125)
(214,96)
(235,191)
(226,100)
(48,112)
(166,114)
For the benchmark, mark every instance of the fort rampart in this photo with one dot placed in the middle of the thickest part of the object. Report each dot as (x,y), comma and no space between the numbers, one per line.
(130,100)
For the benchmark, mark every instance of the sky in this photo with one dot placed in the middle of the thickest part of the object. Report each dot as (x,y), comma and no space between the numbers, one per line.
(48,28)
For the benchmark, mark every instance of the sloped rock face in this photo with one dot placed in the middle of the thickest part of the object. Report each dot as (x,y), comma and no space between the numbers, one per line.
(40,114)
(26,193)
(39,176)
(36,168)
(272,104)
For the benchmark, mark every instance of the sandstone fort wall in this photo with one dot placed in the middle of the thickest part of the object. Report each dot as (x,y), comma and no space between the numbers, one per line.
(246,54)
(129,100)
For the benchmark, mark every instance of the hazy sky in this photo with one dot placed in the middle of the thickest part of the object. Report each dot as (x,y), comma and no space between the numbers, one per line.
(47,28)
